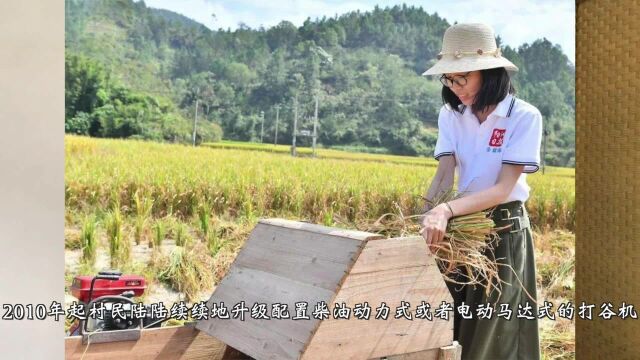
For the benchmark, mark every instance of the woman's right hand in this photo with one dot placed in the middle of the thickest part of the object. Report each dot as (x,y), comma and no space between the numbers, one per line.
(434,225)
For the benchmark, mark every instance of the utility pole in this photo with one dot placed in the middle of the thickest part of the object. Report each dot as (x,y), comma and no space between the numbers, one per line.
(277,115)
(295,124)
(195,124)
(544,149)
(315,125)
(261,125)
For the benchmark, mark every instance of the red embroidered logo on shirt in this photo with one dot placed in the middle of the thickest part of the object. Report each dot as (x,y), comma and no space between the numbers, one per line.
(496,137)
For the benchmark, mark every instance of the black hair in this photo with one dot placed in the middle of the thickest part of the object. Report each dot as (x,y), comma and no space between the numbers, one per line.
(495,87)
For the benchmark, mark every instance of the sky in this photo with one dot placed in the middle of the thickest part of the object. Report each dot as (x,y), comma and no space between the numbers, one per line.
(515,21)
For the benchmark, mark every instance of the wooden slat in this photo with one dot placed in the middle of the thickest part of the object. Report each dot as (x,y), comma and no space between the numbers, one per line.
(451,352)
(393,253)
(431,354)
(254,286)
(321,229)
(316,259)
(298,242)
(177,342)
(405,273)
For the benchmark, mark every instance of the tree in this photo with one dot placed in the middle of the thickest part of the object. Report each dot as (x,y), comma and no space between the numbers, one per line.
(85,85)
(283,35)
(547,97)
(543,61)
(79,124)
(209,132)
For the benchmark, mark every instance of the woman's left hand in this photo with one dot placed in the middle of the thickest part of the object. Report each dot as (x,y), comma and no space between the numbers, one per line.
(434,225)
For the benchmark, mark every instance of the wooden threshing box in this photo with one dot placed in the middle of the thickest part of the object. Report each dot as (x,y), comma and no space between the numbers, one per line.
(289,262)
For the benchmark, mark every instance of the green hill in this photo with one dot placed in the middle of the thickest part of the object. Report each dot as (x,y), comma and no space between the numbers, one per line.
(364,66)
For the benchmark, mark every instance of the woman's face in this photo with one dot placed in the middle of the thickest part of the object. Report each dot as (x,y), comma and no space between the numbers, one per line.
(468,91)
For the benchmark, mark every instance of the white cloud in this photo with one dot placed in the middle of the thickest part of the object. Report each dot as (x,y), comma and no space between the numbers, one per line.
(256,13)
(516,21)
(521,21)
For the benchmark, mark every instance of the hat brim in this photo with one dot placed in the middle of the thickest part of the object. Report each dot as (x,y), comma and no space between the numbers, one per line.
(464,64)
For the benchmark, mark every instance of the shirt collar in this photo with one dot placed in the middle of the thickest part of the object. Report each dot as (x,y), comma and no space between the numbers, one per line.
(504,108)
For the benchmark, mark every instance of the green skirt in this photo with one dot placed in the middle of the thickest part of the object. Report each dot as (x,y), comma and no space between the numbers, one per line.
(502,337)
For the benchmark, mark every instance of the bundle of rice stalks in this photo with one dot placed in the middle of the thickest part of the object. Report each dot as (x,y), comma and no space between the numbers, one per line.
(187,271)
(72,239)
(465,255)
(558,343)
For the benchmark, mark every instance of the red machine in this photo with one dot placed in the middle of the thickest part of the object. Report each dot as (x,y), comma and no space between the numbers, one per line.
(82,285)
(104,290)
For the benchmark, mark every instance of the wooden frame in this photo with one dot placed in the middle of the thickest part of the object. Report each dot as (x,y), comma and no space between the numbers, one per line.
(187,342)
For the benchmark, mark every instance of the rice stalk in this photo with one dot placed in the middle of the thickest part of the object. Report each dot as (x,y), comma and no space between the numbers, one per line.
(143,205)
(88,240)
(204,217)
(181,234)
(214,243)
(119,249)
(159,233)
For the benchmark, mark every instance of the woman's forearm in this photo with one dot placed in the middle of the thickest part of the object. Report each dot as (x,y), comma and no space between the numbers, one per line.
(495,195)
(478,201)
(442,181)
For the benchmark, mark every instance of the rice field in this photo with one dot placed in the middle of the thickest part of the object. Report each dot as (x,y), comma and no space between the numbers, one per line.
(255,183)
(177,214)
(322,153)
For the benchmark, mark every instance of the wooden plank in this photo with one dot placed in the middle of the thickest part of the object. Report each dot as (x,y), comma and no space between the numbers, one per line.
(111,336)
(315,259)
(296,242)
(395,253)
(377,280)
(321,229)
(431,354)
(254,286)
(451,352)
(283,262)
(176,342)
(261,338)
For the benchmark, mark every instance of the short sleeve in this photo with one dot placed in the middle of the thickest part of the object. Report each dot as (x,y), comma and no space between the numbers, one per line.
(523,146)
(445,144)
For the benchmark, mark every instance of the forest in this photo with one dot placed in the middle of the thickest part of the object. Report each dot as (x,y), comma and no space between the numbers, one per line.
(143,73)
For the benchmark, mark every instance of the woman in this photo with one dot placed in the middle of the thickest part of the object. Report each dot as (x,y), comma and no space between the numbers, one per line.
(493,140)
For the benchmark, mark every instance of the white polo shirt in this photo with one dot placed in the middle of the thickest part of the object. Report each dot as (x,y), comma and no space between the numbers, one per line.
(511,134)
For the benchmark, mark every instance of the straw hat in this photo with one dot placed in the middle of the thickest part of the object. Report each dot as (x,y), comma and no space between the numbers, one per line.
(469,47)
